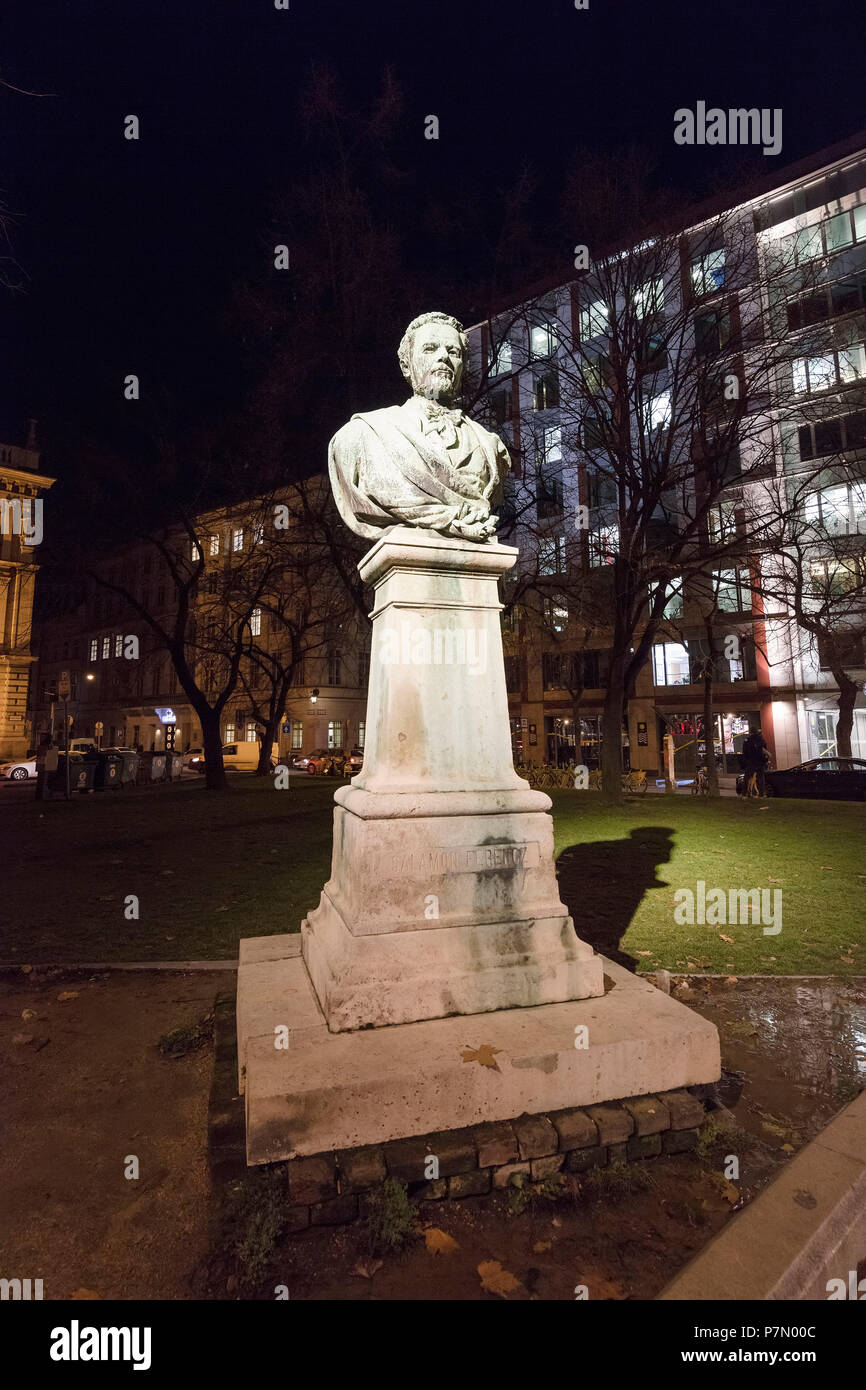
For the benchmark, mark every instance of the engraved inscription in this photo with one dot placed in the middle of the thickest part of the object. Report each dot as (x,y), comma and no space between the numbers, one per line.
(473,860)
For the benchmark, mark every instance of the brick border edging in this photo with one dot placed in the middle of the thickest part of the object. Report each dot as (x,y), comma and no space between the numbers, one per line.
(331,1189)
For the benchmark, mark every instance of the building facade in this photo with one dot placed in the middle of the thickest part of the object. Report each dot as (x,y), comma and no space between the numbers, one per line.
(21,487)
(793,257)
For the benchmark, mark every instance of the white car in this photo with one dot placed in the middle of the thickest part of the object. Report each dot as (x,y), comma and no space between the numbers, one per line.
(20,771)
(193,759)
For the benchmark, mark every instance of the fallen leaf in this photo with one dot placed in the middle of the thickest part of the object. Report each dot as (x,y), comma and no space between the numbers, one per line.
(368,1269)
(775,880)
(774,1129)
(485,1055)
(540,1246)
(556,1221)
(827,866)
(643,953)
(28,1013)
(67,994)
(729,939)
(742,1030)
(847,960)
(787,1148)
(439,1242)
(731,980)
(26,969)
(495,1279)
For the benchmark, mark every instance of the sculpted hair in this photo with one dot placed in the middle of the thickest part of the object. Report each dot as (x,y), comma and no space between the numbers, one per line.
(405,348)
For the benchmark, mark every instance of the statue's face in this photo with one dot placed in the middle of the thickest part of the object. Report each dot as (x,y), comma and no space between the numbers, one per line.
(436,362)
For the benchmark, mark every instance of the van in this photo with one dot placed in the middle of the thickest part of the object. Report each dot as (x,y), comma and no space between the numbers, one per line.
(244,757)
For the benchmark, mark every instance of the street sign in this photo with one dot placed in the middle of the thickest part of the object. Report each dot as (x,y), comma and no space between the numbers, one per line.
(64,686)
(286,727)
(166,716)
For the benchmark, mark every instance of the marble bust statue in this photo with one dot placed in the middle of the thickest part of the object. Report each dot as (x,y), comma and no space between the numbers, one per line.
(423,463)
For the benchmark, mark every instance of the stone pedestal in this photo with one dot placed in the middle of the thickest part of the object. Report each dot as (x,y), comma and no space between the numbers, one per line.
(443,896)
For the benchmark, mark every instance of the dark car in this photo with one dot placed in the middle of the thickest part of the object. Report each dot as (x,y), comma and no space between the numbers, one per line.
(840,779)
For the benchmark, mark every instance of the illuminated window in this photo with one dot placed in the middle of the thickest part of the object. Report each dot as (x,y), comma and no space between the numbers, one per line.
(542,340)
(118,644)
(194,552)
(361,734)
(238,538)
(229,735)
(658,411)
(256,622)
(649,298)
(251,732)
(551,555)
(214,545)
(603,545)
(671,664)
(674,602)
(297,733)
(335,734)
(500,360)
(106,648)
(593,320)
(708,272)
(259,533)
(733,590)
(94,648)
(723,521)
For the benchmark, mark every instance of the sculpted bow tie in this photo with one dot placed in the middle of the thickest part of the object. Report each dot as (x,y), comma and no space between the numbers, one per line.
(442,420)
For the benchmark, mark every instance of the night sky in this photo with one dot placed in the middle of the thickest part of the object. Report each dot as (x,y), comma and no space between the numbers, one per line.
(131,250)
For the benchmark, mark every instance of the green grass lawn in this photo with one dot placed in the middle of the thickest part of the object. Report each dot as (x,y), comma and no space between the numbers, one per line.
(209,869)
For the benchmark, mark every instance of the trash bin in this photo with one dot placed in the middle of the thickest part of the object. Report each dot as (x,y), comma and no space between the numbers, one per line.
(107,765)
(174,766)
(152,767)
(80,774)
(129,761)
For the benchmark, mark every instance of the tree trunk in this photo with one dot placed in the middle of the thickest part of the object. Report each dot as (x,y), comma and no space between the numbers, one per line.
(611,727)
(212,742)
(709,727)
(847,697)
(269,738)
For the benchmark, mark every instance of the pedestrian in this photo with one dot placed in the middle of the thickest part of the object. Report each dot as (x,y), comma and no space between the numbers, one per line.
(756,756)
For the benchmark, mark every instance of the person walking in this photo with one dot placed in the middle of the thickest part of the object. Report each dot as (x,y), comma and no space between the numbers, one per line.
(756,756)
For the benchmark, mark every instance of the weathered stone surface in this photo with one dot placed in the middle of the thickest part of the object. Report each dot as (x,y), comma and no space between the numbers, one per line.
(686,1111)
(542,1168)
(536,1136)
(677,1141)
(614,1124)
(650,1115)
(312,1179)
(407,1159)
(344,1091)
(502,1176)
(579,1160)
(297,1219)
(429,1191)
(575,1129)
(360,1169)
(644,1145)
(617,1153)
(496,1144)
(469,1184)
(336,1212)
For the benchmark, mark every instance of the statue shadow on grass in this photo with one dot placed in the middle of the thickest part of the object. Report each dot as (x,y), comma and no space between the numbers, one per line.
(603,883)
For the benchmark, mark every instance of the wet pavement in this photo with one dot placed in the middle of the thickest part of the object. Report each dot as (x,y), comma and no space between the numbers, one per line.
(794,1050)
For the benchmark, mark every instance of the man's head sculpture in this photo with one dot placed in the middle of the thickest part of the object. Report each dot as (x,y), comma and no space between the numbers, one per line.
(432,354)
(423,463)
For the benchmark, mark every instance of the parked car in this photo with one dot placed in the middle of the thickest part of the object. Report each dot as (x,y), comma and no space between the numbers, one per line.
(326,762)
(19,771)
(80,745)
(241,757)
(839,779)
(192,757)
(355,760)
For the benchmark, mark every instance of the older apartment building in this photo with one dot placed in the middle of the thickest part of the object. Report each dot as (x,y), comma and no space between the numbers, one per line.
(21,487)
(777,283)
(123,683)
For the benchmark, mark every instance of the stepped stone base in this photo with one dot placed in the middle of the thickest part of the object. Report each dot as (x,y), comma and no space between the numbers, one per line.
(335,1091)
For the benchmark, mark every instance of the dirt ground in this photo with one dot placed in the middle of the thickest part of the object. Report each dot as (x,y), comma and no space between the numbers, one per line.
(98,1090)
(88,1091)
